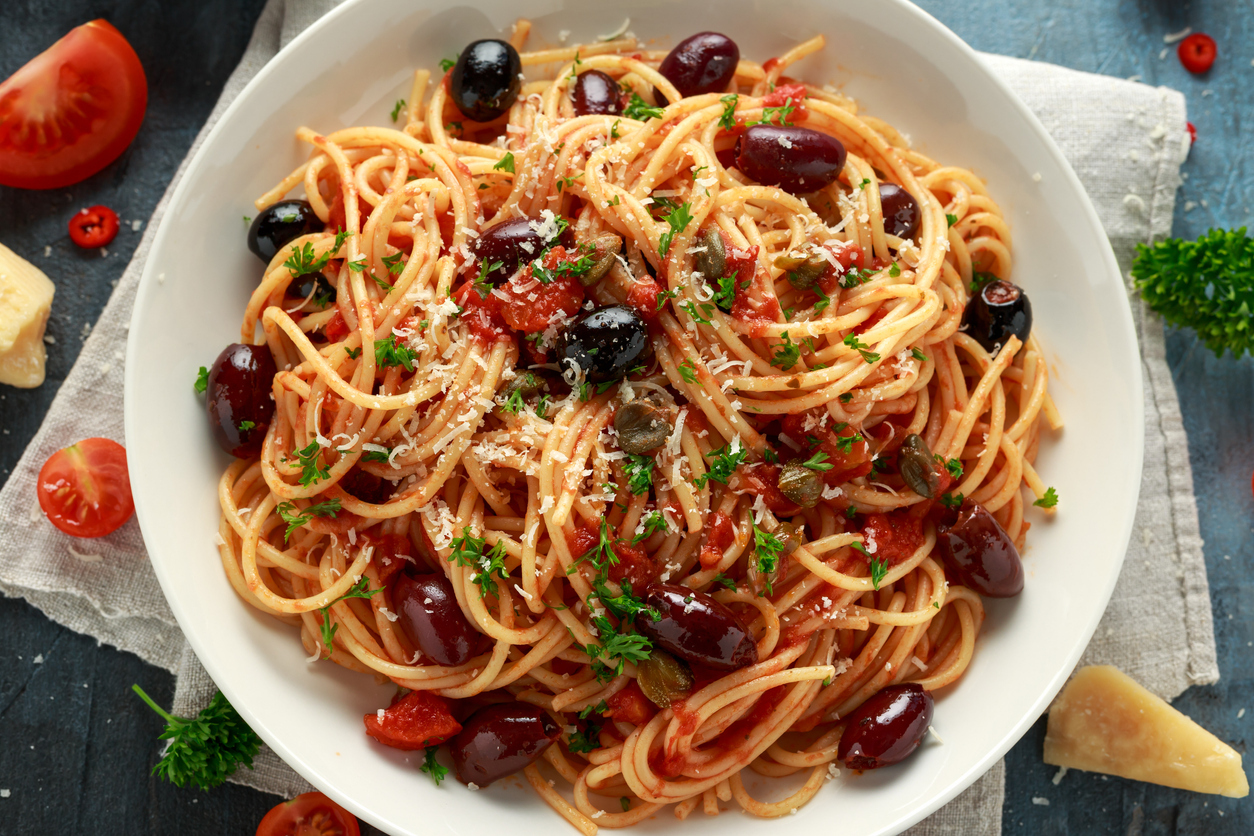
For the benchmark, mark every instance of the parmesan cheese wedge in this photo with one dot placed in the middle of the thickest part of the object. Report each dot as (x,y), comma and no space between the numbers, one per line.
(25,301)
(1104,721)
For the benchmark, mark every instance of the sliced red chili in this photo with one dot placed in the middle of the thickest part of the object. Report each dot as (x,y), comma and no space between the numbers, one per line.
(1192,132)
(94,226)
(1197,53)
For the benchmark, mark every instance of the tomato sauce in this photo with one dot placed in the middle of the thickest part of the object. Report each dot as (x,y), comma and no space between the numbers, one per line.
(642,298)
(719,536)
(849,460)
(762,479)
(755,304)
(529,306)
(630,705)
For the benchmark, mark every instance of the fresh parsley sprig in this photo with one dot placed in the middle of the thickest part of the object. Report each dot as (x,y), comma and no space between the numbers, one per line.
(723,463)
(767,548)
(469,550)
(392,352)
(358,590)
(728,120)
(639,473)
(311,467)
(851,340)
(432,767)
(288,513)
(1049,500)
(1206,285)
(204,749)
(641,110)
(678,220)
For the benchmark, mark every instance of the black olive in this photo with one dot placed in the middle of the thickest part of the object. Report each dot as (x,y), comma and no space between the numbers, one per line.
(315,288)
(239,398)
(596,92)
(982,554)
(900,209)
(484,81)
(795,159)
(279,224)
(605,343)
(702,63)
(999,311)
(917,467)
(509,244)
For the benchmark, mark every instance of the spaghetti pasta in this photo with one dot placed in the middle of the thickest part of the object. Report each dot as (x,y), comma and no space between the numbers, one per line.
(419,432)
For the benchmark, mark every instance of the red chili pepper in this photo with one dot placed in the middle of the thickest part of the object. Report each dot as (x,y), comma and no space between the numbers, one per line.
(1197,53)
(94,226)
(1192,132)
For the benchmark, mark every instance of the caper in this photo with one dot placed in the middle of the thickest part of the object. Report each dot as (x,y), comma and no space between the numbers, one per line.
(789,535)
(663,678)
(605,250)
(711,263)
(803,273)
(642,425)
(917,467)
(800,484)
(524,384)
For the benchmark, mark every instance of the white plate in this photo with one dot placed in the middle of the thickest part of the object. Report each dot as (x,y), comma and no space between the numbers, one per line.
(902,66)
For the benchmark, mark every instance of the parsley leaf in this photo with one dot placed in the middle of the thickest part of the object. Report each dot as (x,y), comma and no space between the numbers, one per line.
(780,114)
(468,550)
(204,749)
(663,295)
(952,219)
(1206,285)
(353,353)
(302,260)
(639,473)
(951,500)
(432,767)
(653,522)
(917,354)
(361,589)
(954,466)
(725,294)
(506,163)
(879,568)
(678,220)
(390,352)
(894,270)
(723,463)
(701,316)
(817,462)
(587,739)
(396,109)
(728,120)
(767,548)
(641,110)
(310,460)
(724,581)
(1049,500)
(446,64)
(294,520)
(788,355)
(688,371)
(394,264)
(846,397)
(615,649)
(824,300)
(202,381)
(851,340)
(376,455)
(981,280)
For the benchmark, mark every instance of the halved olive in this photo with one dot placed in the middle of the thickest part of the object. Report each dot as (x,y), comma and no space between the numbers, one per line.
(605,249)
(803,273)
(918,467)
(800,484)
(642,425)
(663,678)
(712,262)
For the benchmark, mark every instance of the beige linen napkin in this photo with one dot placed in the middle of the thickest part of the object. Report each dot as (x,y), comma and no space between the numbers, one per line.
(1125,140)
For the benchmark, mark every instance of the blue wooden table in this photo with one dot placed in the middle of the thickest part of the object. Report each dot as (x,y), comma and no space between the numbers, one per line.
(75,745)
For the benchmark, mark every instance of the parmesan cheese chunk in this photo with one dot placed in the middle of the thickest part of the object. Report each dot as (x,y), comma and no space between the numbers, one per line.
(25,301)
(1104,721)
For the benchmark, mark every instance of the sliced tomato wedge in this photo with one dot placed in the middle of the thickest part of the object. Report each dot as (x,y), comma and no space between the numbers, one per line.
(309,814)
(415,721)
(72,110)
(85,489)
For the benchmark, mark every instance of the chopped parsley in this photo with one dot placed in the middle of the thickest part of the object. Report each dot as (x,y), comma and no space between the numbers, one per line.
(394,263)
(851,340)
(846,397)
(879,568)
(396,109)
(295,520)
(678,220)
(389,352)
(951,500)
(663,295)
(817,462)
(688,371)
(468,551)
(245,426)
(432,767)
(981,280)
(725,295)
(787,355)
(353,353)
(358,590)
(724,581)
(202,381)
(767,548)
(641,110)
(311,468)
(639,473)
(1049,500)
(780,114)
(824,300)
(302,260)
(954,466)
(446,64)
(952,219)
(506,163)
(894,270)
(701,316)
(723,463)
(728,120)
(376,455)
(918,354)
(653,522)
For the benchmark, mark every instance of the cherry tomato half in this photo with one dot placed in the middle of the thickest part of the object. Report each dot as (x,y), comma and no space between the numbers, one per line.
(85,489)
(94,226)
(72,110)
(309,814)
(1197,53)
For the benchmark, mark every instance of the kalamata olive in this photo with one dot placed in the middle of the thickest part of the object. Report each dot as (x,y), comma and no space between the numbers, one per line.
(981,553)
(702,63)
(430,616)
(366,486)
(900,209)
(315,288)
(1000,310)
(795,159)
(711,258)
(511,243)
(917,467)
(800,484)
(663,678)
(696,628)
(804,272)
(605,250)
(499,740)
(485,80)
(239,399)
(279,224)
(605,343)
(643,425)
(596,92)
(885,729)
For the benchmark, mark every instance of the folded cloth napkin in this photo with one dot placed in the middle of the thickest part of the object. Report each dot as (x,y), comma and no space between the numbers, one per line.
(1125,140)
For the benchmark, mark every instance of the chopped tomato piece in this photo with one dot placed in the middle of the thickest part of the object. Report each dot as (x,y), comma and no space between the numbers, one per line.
(849,458)
(415,721)
(481,313)
(779,97)
(642,298)
(719,535)
(336,328)
(631,706)
(762,479)
(392,552)
(308,814)
(848,256)
(755,304)
(530,305)
(894,536)
(633,566)
(1192,132)
(95,226)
